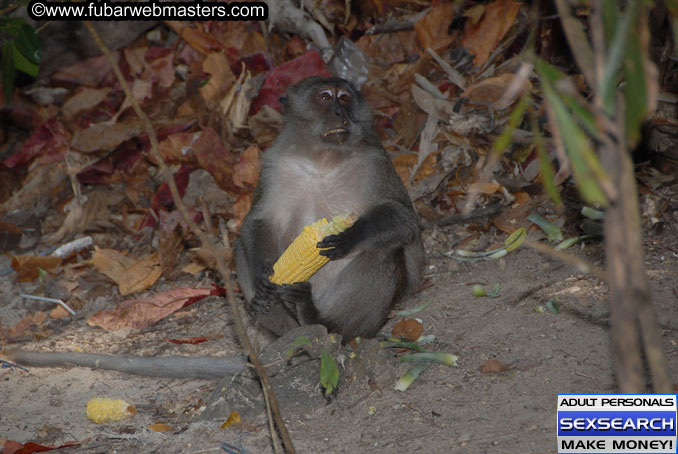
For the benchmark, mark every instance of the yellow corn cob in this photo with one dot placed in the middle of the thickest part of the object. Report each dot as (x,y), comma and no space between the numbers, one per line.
(102,410)
(301,259)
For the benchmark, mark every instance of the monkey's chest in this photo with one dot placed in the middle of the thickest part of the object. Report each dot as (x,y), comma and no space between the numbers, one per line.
(307,192)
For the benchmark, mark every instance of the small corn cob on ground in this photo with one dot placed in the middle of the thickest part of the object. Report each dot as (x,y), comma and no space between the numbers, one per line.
(301,259)
(102,410)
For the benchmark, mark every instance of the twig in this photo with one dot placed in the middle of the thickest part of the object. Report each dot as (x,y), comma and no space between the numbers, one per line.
(206,242)
(582,264)
(390,27)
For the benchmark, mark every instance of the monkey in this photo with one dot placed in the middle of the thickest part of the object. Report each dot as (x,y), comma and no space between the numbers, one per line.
(327,160)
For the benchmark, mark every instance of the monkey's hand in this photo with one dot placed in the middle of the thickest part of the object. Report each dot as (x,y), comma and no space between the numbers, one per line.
(339,245)
(266,293)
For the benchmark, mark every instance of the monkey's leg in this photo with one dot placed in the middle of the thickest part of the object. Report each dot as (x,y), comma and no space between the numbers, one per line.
(357,300)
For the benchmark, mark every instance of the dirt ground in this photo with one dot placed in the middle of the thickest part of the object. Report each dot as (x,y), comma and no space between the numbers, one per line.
(447,410)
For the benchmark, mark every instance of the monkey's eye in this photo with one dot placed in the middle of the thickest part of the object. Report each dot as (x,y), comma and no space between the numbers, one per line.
(325,95)
(344,98)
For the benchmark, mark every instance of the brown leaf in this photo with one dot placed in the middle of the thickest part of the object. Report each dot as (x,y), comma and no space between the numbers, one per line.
(432,29)
(221,77)
(497,20)
(28,266)
(493,366)
(84,99)
(241,207)
(32,319)
(141,313)
(59,312)
(142,275)
(189,340)
(106,136)
(161,427)
(404,165)
(233,418)
(131,275)
(246,172)
(489,92)
(485,187)
(408,328)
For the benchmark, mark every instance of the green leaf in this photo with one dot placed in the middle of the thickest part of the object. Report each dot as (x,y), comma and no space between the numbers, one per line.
(635,90)
(590,213)
(23,64)
(479,291)
(299,342)
(329,372)
(548,173)
(28,44)
(402,344)
(583,114)
(411,375)
(419,308)
(448,359)
(615,57)
(565,244)
(588,172)
(553,306)
(577,39)
(7,72)
(551,230)
(515,239)
(610,18)
(506,136)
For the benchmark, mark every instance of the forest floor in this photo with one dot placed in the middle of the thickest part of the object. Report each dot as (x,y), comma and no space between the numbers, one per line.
(468,408)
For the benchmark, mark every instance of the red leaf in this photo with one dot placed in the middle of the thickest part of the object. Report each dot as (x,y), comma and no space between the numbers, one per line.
(47,142)
(143,312)
(279,78)
(189,340)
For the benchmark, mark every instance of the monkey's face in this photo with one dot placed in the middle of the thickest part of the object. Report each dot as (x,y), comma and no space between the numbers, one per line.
(329,109)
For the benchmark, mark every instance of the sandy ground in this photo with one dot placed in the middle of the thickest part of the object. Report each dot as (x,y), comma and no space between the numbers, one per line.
(446,410)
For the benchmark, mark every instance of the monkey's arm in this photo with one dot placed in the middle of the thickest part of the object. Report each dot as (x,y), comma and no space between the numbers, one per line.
(164,366)
(391,224)
(255,255)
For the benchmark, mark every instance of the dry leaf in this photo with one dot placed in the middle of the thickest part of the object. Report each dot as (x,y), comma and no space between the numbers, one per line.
(432,29)
(246,172)
(193,268)
(493,366)
(497,20)
(59,312)
(233,418)
(84,99)
(28,266)
(485,187)
(131,275)
(489,92)
(142,313)
(161,427)
(221,77)
(106,136)
(241,207)
(31,319)
(408,328)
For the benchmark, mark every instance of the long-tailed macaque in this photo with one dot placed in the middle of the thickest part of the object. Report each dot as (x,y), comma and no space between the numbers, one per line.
(326,161)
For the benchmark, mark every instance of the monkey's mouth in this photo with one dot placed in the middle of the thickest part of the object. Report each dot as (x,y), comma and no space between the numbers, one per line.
(336,135)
